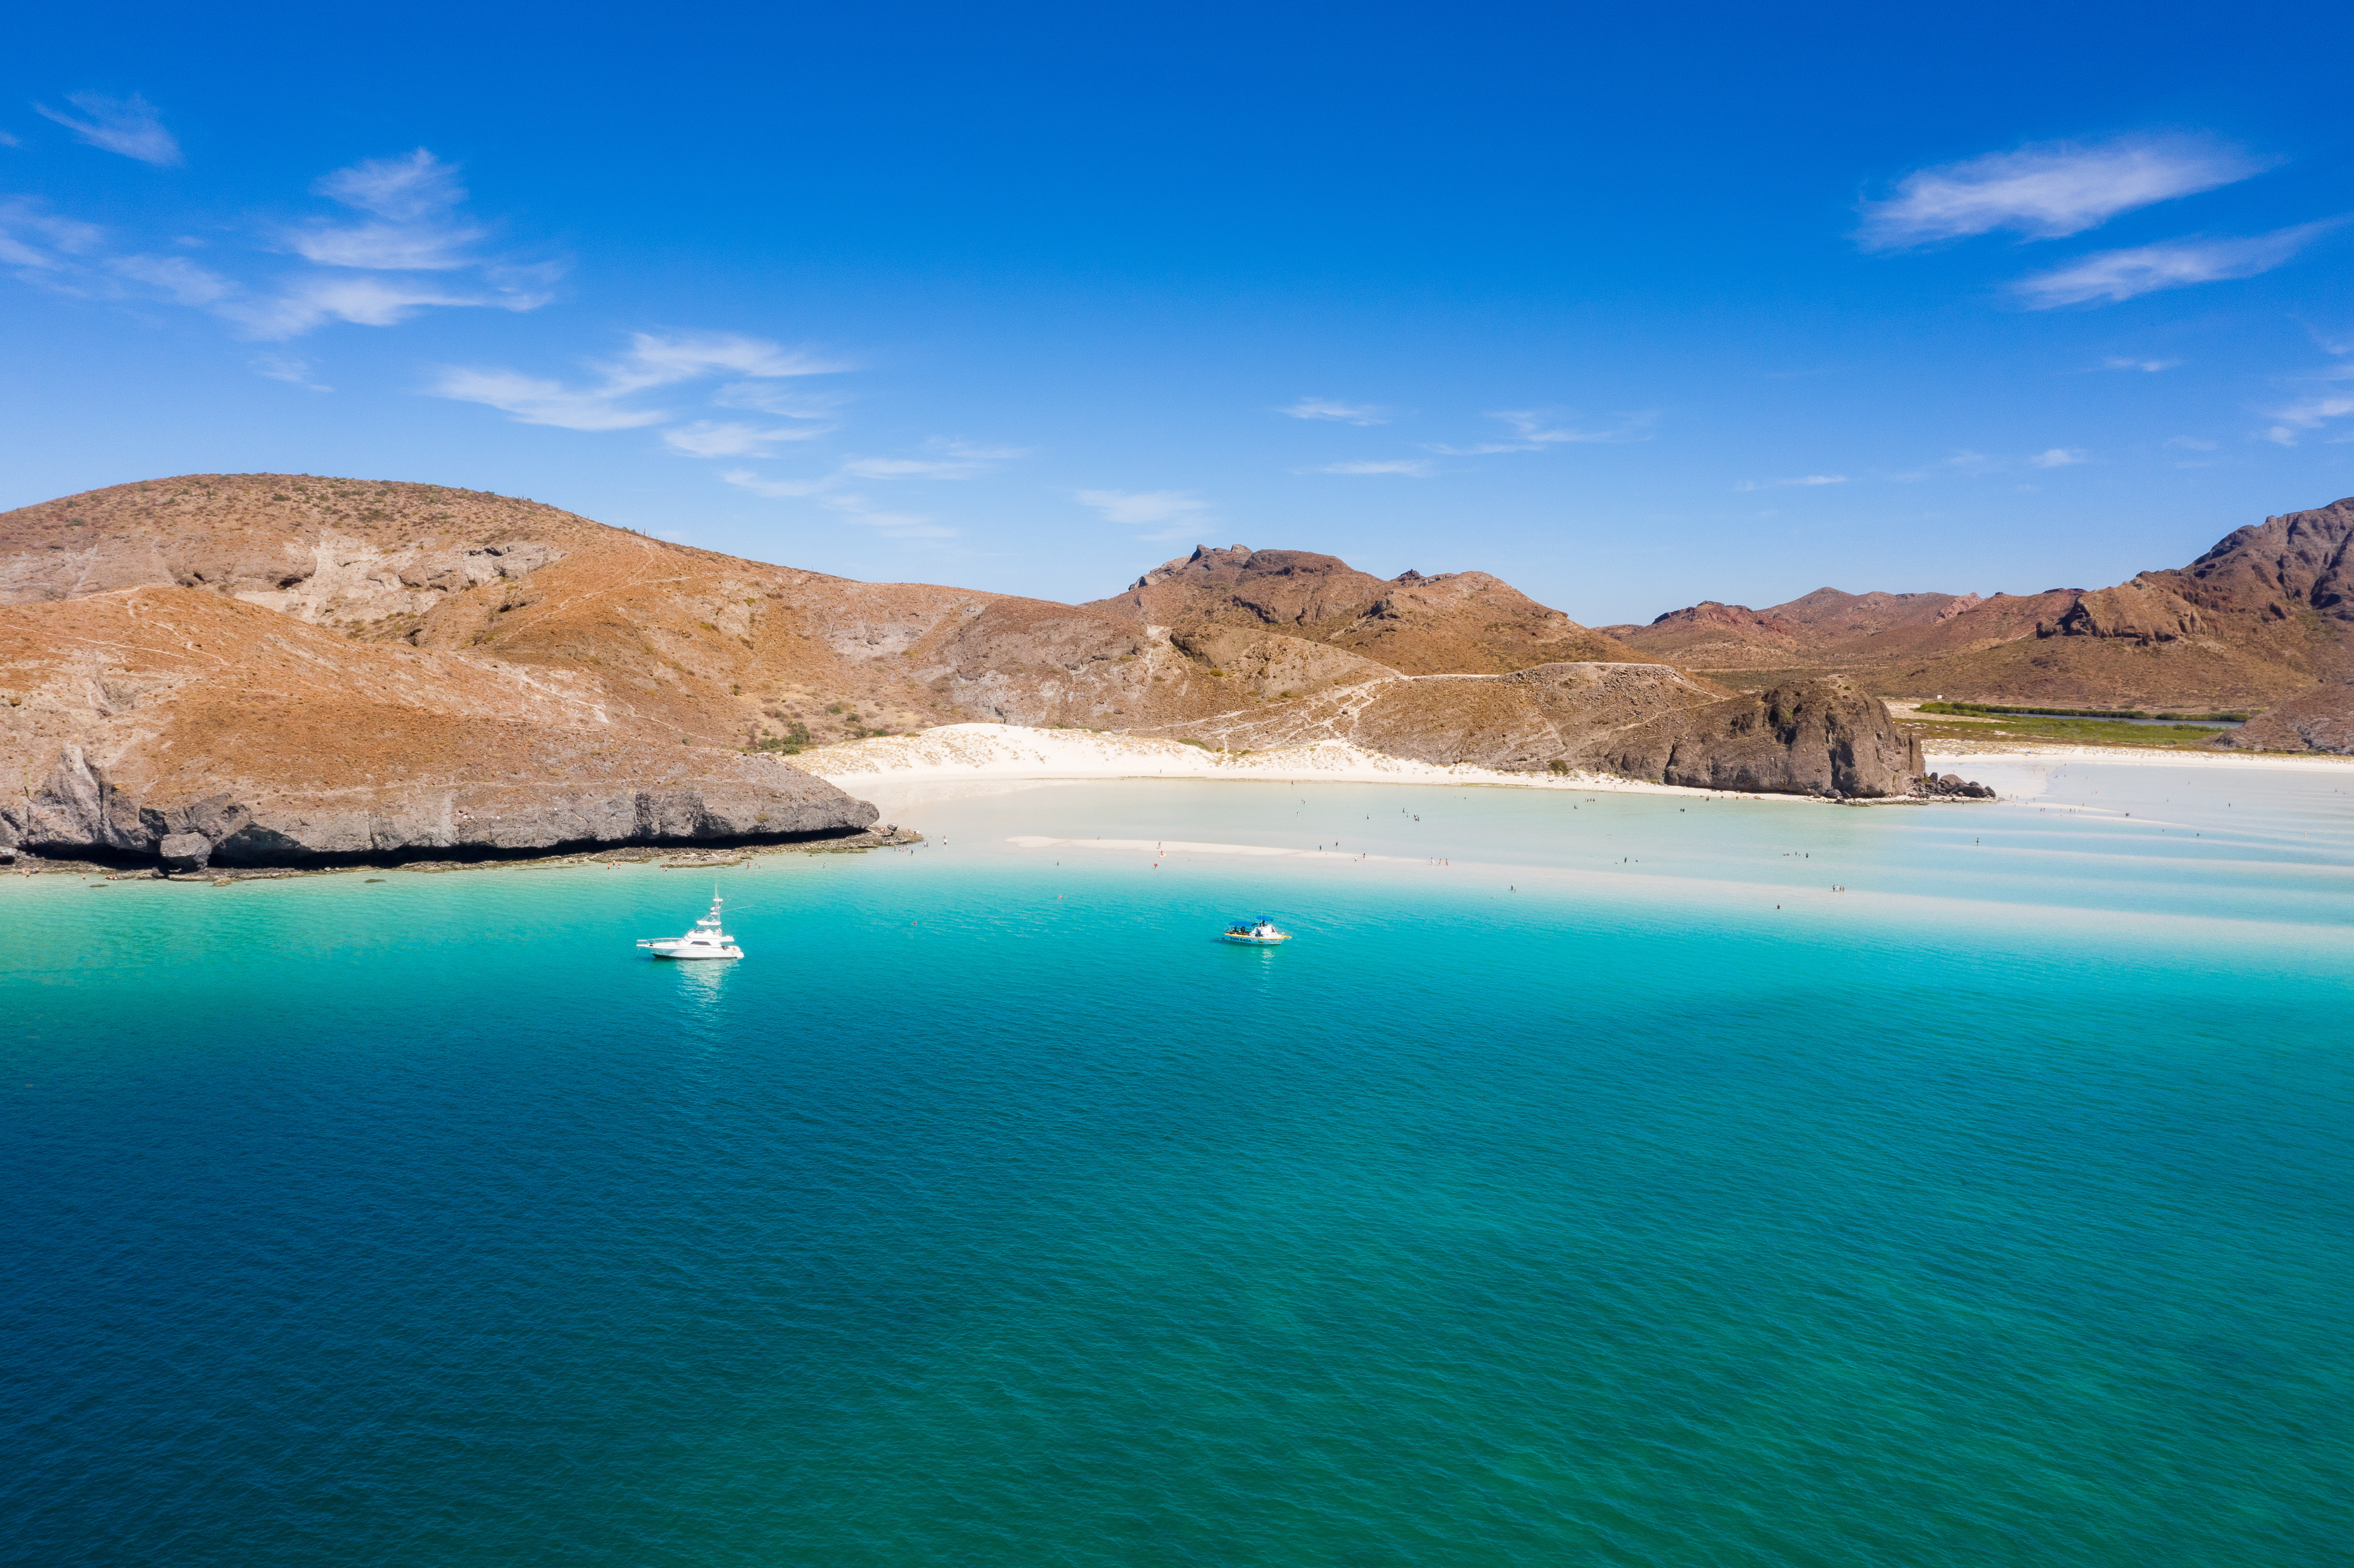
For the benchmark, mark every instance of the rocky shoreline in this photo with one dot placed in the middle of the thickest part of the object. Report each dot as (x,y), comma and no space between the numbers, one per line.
(670,857)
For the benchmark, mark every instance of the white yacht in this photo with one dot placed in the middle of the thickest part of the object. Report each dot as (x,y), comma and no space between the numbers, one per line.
(705,941)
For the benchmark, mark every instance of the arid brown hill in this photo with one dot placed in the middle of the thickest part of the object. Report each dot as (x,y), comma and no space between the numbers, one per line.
(1456,623)
(2263,617)
(368,667)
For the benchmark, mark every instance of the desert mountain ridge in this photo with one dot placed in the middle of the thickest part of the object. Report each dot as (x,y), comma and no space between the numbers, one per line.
(2263,619)
(277,666)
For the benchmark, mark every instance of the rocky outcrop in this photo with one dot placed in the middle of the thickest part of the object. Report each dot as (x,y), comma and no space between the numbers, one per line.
(2141,610)
(1953,786)
(185,852)
(2320,720)
(1816,738)
(78,811)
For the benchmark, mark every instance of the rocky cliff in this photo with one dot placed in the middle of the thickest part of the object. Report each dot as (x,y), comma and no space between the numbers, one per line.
(162,723)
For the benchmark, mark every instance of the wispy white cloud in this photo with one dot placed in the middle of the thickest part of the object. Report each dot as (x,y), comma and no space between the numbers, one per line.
(8,141)
(305,303)
(290,368)
(658,359)
(718,438)
(1967,464)
(1961,463)
(2304,417)
(530,400)
(2050,189)
(849,503)
(419,188)
(1411,468)
(2150,366)
(1340,413)
(890,524)
(2115,275)
(33,237)
(1142,508)
(1810,478)
(774,489)
(784,400)
(130,126)
(415,225)
(1536,431)
(947,460)
(653,360)
(177,278)
(362,275)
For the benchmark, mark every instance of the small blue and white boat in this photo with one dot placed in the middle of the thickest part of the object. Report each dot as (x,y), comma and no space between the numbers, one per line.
(1259,933)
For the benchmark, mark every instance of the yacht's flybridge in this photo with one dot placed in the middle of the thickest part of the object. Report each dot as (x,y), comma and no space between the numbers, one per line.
(705,941)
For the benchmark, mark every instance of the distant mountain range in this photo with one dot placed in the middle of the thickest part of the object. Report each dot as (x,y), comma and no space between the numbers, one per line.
(2265,618)
(276,668)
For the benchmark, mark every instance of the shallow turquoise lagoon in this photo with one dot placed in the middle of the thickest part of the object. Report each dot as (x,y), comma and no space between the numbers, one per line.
(1588,1183)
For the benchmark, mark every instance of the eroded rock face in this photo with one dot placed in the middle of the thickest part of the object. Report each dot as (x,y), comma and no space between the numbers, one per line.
(1822,738)
(2144,612)
(78,811)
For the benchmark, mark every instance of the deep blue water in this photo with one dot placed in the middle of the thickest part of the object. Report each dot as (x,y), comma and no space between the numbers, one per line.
(990,1213)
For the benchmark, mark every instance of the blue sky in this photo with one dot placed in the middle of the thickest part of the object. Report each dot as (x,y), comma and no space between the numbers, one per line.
(1632,310)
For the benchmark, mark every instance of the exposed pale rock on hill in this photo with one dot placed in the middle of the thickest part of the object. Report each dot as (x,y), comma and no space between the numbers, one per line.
(2258,619)
(363,668)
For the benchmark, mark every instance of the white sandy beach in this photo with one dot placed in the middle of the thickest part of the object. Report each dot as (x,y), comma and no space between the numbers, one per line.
(1002,754)
(1012,753)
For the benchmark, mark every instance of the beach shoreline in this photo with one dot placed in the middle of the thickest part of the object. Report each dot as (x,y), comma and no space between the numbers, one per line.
(1013,754)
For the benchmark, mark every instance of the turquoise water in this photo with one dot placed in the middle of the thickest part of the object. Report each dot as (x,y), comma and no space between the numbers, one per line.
(1566,1202)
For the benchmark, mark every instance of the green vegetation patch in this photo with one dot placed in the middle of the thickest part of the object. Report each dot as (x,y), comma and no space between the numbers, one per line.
(792,743)
(2077,731)
(1991,708)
